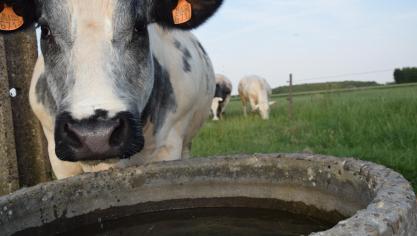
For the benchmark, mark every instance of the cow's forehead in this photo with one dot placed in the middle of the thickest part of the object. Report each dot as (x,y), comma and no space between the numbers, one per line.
(84,10)
(91,6)
(103,18)
(92,18)
(91,9)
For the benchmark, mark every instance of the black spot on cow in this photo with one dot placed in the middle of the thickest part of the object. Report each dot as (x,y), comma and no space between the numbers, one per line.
(186,55)
(162,99)
(201,51)
(204,57)
(44,94)
(222,91)
(186,60)
(201,48)
(178,44)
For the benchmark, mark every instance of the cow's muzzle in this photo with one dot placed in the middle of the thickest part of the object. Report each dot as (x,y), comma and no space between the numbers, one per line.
(98,137)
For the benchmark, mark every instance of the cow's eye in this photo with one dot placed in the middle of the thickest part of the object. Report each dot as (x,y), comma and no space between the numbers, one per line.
(45,32)
(140,27)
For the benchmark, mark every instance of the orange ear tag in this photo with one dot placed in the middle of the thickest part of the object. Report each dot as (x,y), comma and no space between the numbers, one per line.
(182,13)
(9,20)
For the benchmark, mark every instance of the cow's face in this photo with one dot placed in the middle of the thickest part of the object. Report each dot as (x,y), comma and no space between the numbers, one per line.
(264,109)
(98,71)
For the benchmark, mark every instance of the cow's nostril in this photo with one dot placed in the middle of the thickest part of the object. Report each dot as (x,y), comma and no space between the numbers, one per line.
(71,136)
(118,135)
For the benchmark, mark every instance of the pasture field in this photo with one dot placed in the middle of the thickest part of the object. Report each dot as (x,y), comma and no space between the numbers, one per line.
(374,125)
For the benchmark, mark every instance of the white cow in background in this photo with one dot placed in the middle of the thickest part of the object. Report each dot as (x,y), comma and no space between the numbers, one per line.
(221,96)
(255,90)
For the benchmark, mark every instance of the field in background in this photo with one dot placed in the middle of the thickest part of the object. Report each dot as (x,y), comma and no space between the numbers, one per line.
(375,125)
(325,86)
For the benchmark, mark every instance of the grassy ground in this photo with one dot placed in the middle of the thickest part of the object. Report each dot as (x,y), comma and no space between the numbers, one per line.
(374,125)
(310,87)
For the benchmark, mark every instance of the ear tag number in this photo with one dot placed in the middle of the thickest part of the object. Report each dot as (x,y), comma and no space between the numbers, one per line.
(9,20)
(182,13)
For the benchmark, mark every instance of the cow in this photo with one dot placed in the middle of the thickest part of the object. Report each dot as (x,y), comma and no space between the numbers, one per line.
(255,90)
(221,96)
(119,83)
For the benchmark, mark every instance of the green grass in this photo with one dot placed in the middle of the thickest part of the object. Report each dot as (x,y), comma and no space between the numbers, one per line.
(325,86)
(373,125)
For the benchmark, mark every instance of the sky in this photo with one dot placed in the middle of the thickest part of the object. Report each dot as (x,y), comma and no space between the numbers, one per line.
(315,40)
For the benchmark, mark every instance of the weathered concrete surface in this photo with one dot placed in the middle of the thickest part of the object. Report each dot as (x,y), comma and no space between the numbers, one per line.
(377,200)
(33,163)
(9,178)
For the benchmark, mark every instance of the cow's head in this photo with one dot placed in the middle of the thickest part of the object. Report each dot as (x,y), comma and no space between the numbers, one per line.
(264,108)
(98,70)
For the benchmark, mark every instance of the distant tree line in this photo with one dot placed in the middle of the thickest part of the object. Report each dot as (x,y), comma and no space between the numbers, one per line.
(405,75)
(325,86)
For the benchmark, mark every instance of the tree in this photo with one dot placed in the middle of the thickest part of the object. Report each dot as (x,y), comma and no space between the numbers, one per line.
(9,176)
(405,75)
(398,76)
(20,57)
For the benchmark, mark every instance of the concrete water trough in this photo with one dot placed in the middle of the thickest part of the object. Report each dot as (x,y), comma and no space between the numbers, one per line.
(274,194)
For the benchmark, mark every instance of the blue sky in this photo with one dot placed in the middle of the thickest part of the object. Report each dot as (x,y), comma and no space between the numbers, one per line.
(312,39)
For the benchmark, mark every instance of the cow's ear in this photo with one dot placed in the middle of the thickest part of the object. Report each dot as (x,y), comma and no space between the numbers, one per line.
(16,15)
(182,14)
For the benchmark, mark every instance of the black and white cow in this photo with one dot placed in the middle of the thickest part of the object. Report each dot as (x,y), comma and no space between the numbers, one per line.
(118,83)
(221,96)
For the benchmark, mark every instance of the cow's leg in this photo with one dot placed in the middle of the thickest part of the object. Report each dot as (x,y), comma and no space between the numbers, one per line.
(215,105)
(170,149)
(62,169)
(244,104)
(219,111)
(186,150)
(190,130)
(227,100)
(214,111)
(253,103)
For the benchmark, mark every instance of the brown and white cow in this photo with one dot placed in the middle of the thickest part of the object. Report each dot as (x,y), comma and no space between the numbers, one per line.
(118,83)
(255,91)
(221,96)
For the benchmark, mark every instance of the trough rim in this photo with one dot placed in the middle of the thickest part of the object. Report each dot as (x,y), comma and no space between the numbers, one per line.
(389,189)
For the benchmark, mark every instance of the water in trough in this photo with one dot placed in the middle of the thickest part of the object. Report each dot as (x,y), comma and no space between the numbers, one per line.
(202,222)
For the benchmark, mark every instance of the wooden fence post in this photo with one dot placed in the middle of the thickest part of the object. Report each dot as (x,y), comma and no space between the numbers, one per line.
(9,175)
(290,98)
(31,150)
